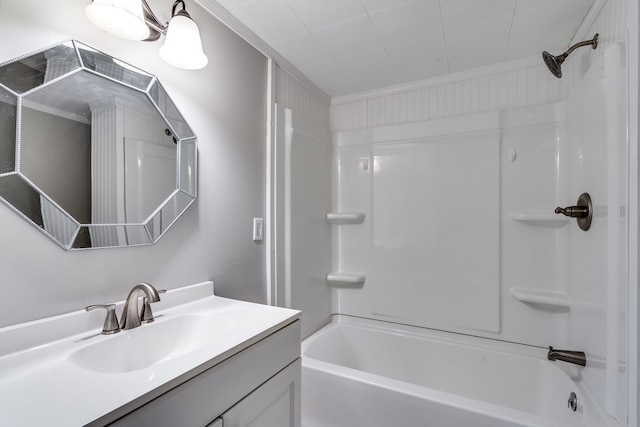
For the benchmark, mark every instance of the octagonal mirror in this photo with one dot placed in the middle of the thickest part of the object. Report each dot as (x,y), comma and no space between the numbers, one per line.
(93,152)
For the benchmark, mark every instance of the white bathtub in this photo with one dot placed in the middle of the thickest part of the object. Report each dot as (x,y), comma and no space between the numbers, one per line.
(365,373)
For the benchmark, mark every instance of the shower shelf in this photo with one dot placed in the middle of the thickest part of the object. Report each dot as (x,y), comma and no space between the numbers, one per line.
(346,217)
(543,298)
(539,218)
(345,279)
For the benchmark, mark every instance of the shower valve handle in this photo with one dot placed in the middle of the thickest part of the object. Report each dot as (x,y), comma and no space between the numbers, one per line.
(583,211)
(573,211)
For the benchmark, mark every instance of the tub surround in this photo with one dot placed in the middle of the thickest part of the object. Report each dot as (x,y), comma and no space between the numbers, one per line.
(37,368)
(494,260)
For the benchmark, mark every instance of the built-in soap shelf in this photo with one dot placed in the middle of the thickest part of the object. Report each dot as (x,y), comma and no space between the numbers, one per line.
(539,218)
(346,217)
(551,299)
(345,279)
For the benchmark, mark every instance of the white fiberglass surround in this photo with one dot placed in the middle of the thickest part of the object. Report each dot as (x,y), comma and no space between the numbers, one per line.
(359,372)
(458,183)
(460,231)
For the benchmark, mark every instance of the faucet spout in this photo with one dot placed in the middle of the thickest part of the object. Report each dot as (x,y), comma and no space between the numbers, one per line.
(576,357)
(130,314)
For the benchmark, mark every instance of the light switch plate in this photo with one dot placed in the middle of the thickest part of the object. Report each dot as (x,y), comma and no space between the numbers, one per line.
(258,229)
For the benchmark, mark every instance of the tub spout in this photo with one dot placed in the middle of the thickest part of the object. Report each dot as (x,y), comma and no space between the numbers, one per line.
(577,357)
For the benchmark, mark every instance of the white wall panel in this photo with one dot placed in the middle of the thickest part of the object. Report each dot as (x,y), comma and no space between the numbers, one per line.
(438,216)
(291,94)
(436,231)
(303,167)
(532,85)
(305,148)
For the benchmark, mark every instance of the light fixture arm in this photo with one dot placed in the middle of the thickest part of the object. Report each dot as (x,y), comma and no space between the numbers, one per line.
(182,12)
(155,26)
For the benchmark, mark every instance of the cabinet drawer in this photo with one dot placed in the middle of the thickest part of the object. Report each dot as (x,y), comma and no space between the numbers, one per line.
(275,403)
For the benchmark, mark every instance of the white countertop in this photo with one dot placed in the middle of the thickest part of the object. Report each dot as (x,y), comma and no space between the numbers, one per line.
(39,386)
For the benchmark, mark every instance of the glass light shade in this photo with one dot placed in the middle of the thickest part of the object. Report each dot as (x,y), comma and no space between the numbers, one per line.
(183,47)
(121,18)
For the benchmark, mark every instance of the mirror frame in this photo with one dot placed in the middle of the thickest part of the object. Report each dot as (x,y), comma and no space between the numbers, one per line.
(22,195)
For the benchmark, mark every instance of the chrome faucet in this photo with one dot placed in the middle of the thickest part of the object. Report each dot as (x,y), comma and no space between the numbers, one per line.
(130,314)
(577,357)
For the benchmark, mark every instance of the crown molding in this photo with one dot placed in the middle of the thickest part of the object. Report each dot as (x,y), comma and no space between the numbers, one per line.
(224,16)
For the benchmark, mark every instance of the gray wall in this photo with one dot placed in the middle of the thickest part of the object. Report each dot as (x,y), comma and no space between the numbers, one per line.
(72,154)
(225,104)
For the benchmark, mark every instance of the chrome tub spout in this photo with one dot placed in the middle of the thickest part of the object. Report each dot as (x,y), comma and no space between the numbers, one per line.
(576,357)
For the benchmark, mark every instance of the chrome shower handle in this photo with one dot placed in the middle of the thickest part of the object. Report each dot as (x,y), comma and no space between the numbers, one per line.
(583,211)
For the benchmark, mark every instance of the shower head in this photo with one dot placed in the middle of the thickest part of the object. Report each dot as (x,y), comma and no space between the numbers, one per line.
(554,63)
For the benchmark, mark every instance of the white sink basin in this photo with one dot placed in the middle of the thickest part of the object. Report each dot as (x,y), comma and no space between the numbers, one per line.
(150,343)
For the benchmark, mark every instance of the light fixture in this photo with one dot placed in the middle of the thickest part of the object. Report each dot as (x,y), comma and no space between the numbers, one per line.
(121,18)
(183,47)
(134,20)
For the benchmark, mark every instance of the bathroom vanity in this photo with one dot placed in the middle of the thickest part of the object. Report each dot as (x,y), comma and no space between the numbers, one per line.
(205,360)
(240,391)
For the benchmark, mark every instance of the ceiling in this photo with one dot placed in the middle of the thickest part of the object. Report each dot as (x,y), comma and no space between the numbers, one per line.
(351,46)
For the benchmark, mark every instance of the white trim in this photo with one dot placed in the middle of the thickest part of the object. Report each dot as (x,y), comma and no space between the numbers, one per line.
(587,22)
(488,70)
(224,16)
(633,68)
(270,212)
(479,122)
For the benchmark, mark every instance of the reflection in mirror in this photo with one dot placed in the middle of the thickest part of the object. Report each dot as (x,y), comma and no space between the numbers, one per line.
(92,151)
(7,131)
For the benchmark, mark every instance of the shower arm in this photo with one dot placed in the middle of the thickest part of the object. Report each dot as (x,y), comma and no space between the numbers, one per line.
(593,42)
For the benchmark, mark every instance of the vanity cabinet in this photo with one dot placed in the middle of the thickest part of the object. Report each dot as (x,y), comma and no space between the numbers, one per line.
(255,386)
(273,404)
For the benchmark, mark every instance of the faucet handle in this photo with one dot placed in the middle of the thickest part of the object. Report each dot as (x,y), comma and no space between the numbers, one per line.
(146,315)
(111,325)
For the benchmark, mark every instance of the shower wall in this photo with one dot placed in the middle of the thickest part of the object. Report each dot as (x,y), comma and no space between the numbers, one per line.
(458,180)
(458,219)
(459,197)
(301,155)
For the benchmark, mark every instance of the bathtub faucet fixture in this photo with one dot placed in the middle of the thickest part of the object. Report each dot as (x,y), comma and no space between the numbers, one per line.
(577,357)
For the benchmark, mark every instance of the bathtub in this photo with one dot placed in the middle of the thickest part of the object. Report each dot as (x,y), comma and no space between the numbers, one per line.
(365,373)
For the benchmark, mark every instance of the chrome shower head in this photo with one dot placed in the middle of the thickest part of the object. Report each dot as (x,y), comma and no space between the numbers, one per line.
(554,63)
